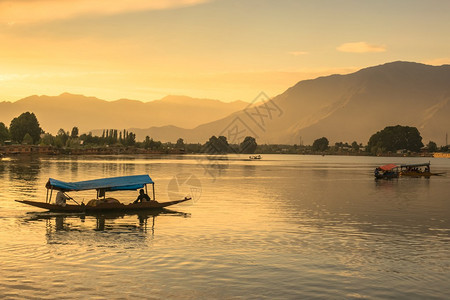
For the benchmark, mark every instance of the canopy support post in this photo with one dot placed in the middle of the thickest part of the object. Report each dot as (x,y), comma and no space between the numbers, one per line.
(46,197)
(51,192)
(153,185)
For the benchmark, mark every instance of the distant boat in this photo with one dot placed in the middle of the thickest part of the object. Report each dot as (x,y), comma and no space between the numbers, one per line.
(387,172)
(417,170)
(255,156)
(407,170)
(101,203)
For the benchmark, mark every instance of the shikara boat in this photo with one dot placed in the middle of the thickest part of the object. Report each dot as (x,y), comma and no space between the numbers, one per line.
(101,203)
(387,172)
(417,170)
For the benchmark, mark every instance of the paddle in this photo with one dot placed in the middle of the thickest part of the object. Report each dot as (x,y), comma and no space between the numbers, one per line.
(70,198)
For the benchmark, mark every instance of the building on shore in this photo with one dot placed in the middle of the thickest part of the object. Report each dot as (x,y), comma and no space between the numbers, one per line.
(27,149)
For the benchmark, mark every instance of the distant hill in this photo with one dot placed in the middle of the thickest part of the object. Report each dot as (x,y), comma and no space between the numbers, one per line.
(340,107)
(88,113)
(343,108)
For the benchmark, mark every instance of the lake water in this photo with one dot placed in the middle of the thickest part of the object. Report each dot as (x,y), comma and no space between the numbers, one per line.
(287,226)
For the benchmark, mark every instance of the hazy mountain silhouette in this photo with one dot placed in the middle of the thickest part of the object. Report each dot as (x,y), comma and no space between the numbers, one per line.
(340,107)
(343,108)
(68,110)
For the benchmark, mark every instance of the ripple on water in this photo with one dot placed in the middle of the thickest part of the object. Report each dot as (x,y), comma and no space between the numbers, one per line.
(291,227)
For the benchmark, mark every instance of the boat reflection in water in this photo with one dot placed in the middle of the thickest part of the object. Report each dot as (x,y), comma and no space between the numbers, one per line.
(128,225)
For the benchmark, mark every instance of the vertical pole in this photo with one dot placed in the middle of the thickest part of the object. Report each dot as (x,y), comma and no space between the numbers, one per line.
(50,199)
(153,184)
(46,197)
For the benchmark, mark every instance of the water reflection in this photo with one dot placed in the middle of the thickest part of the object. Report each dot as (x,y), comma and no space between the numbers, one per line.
(129,226)
(214,165)
(249,170)
(25,168)
(320,227)
(24,173)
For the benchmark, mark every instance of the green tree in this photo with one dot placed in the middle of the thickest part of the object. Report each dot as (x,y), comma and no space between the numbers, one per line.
(4,132)
(393,138)
(151,144)
(223,144)
(248,145)
(115,136)
(146,143)
(23,124)
(320,144)
(432,147)
(130,139)
(48,139)
(355,146)
(61,138)
(27,139)
(74,133)
(180,143)
(216,145)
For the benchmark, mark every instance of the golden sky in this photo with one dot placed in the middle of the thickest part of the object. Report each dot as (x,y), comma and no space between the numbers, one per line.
(221,49)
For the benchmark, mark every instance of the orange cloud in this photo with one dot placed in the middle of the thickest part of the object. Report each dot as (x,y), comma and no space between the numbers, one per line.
(13,11)
(298,53)
(361,47)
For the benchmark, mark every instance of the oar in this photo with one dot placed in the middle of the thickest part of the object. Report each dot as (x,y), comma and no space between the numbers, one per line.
(70,198)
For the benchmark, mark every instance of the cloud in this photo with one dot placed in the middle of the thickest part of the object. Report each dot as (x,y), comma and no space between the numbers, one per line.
(29,11)
(298,53)
(361,47)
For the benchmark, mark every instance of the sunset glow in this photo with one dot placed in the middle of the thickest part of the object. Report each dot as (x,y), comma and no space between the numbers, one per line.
(221,49)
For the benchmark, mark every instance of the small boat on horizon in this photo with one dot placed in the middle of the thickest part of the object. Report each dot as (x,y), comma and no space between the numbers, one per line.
(255,156)
(101,203)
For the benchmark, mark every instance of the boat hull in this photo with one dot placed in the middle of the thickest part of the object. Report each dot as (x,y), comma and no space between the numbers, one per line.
(419,174)
(102,207)
(386,176)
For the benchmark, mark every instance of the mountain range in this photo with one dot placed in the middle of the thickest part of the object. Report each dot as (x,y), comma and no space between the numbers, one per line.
(343,108)
(90,113)
(340,107)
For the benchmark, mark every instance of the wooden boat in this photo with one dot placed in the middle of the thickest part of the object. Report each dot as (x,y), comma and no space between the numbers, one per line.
(405,170)
(387,172)
(101,204)
(255,156)
(417,170)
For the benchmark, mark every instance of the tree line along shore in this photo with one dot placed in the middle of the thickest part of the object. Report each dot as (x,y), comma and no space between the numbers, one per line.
(25,136)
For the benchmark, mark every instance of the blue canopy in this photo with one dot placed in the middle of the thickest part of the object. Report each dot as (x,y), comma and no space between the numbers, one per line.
(123,183)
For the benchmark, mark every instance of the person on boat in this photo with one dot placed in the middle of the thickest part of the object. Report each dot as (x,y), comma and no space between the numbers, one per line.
(61,198)
(142,197)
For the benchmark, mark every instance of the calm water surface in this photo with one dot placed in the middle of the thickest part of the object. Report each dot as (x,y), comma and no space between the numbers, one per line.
(287,226)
